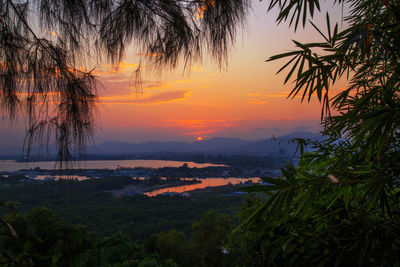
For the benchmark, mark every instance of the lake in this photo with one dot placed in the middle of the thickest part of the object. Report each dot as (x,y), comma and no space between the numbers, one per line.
(10,165)
(204,183)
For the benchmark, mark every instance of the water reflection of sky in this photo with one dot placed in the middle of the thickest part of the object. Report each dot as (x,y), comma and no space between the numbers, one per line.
(208,182)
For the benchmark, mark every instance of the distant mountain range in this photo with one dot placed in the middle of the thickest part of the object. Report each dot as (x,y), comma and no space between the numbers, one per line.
(221,145)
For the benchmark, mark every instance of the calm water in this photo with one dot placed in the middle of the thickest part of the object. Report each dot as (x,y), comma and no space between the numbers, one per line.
(207,182)
(9,165)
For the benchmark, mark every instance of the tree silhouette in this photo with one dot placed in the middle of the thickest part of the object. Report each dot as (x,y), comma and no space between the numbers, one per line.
(340,204)
(45,47)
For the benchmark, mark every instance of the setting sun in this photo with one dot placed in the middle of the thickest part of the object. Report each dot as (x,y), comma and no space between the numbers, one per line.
(199,138)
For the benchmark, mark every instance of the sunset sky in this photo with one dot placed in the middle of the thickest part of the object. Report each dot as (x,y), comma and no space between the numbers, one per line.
(244,100)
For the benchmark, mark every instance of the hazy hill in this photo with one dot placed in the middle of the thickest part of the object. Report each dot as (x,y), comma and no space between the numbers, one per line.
(220,145)
(212,145)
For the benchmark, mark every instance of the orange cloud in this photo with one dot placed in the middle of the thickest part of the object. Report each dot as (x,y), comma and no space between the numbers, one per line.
(204,127)
(260,99)
(149,85)
(120,67)
(119,80)
(182,81)
(205,132)
(204,123)
(147,99)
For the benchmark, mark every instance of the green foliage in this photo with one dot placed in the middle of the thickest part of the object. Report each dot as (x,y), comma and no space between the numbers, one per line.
(173,245)
(118,248)
(207,247)
(310,218)
(149,262)
(243,245)
(115,250)
(210,234)
(137,216)
(340,205)
(39,238)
